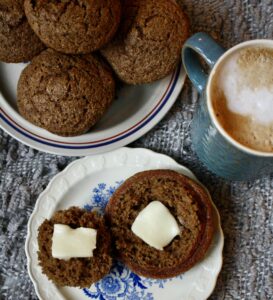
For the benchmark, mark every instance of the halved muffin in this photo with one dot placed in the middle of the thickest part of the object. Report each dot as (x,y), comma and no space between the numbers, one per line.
(187,201)
(81,272)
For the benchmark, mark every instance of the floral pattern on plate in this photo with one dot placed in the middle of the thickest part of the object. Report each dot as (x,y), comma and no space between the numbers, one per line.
(121,283)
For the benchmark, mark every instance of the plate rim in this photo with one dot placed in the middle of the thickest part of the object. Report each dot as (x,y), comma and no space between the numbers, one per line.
(129,151)
(124,137)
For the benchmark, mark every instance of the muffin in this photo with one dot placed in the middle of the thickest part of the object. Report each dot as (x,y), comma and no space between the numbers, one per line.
(77,272)
(18,42)
(65,94)
(189,204)
(74,27)
(148,44)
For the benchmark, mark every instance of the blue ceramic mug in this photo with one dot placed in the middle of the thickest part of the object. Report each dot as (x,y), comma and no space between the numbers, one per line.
(217,150)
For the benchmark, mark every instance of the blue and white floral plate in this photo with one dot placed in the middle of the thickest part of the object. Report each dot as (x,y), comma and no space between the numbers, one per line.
(88,183)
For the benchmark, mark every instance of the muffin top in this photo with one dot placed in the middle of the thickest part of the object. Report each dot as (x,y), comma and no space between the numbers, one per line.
(18,42)
(80,272)
(65,94)
(188,203)
(148,44)
(72,26)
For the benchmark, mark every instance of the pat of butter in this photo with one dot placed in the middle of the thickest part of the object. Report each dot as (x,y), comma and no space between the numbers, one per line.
(155,225)
(68,243)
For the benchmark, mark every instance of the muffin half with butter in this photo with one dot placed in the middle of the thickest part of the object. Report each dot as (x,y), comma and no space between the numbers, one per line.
(161,223)
(74,248)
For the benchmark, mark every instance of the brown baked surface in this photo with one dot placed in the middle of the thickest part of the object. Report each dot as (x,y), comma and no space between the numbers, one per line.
(77,272)
(74,26)
(188,202)
(65,94)
(18,42)
(148,44)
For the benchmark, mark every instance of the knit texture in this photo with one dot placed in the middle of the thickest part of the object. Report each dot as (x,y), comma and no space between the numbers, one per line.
(246,208)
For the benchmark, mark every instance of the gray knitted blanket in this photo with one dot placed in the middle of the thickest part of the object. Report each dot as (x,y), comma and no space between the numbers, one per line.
(246,208)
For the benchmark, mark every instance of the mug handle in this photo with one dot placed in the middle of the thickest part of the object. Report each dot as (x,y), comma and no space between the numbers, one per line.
(200,44)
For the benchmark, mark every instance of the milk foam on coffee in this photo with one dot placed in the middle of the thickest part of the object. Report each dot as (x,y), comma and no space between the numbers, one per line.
(242,96)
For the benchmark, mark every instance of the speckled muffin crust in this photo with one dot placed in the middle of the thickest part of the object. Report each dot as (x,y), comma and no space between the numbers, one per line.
(65,94)
(187,201)
(149,42)
(18,42)
(74,26)
(77,272)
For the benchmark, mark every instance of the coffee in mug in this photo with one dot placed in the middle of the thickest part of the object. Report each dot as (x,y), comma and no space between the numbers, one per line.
(232,127)
(241,92)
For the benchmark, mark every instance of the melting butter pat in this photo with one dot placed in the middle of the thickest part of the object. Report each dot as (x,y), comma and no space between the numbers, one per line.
(155,225)
(68,243)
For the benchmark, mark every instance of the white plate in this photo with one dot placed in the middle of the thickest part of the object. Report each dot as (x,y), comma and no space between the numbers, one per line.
(135,111)
(89,182)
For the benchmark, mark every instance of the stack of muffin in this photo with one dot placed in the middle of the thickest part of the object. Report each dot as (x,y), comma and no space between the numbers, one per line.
(68,87)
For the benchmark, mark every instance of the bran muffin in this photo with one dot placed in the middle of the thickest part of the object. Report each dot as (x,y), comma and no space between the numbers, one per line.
(77,272)
(148,44)
(65,94)
(186,200)
(18,42)
(72,26)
